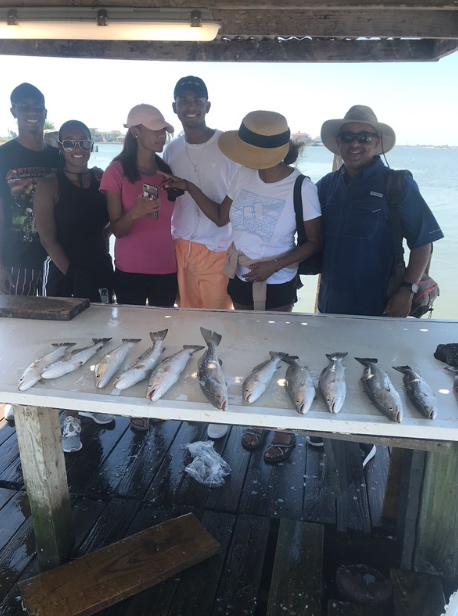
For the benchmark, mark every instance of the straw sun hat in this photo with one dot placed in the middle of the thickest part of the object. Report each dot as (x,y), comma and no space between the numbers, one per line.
(358,113)
(262,140)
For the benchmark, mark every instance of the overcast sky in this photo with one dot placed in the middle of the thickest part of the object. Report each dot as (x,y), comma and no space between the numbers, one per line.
(419,100)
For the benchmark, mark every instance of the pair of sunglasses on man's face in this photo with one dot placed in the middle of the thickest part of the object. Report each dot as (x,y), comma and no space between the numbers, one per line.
(362,137)
(70,144)
(37,107)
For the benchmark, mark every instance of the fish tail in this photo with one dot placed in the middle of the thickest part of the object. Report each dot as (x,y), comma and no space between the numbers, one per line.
(97,340)
(131,339)
(61,344)
(281,355)
(196,347)
(332,356)
(292,361)
(402,369)
(366,361)
(158,335)
(210,336)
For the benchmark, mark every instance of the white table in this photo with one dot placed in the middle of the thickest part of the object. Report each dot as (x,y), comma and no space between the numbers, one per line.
(247,337)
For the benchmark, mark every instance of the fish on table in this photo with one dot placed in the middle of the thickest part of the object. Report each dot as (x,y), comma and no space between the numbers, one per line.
(332,382)
(74,360)
(256,383)
(144,364)
(32,374)
(209,373)
(299,385)
(112,362)
(168,372)
(419,392)
(380,389)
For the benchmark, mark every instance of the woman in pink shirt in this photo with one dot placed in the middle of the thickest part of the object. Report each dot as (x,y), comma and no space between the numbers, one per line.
(144,253)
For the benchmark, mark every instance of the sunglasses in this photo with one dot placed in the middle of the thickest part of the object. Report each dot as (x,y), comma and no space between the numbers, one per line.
(69,145)
(362,137)
(26,107)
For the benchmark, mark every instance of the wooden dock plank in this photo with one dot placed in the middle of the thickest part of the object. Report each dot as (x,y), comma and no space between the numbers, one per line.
(6,494)
(13,515)
(102,578)
(319,503)
(297,584)
(342,608)
(376,473)
(417,594)
(241,574)
(353,506)
(288,484)
(167,482)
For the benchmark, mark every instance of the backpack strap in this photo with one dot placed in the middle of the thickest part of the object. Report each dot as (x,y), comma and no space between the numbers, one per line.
(297,196)
(394,193)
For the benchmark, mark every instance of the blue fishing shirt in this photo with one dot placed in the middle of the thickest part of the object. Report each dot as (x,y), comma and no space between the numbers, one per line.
(358,253)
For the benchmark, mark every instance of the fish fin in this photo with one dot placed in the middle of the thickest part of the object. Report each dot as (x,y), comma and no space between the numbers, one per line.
(97,340)
(196,347)
(65,344)
(332,356)
(451,368)
(402,369)
(366,361)
(131,339)
(220,361)
(290,359)
(158,335)
(210,336)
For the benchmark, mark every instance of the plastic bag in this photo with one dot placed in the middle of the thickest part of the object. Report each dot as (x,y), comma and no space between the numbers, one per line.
(207,467)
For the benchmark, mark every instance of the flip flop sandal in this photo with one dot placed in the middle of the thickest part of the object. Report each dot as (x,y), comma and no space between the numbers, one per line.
(140,424)
(259,436)
(285,448)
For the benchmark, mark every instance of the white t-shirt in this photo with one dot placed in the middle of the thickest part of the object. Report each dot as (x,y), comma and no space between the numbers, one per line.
(263,218)
(204,165)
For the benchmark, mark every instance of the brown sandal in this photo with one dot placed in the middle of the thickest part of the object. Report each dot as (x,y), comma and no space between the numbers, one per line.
(285,449)
(141,424)
(259,436)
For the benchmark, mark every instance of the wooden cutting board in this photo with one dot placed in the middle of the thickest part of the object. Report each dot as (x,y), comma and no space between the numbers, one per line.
(47,308)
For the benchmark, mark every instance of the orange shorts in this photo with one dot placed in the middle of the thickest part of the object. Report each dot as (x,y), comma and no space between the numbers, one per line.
(201,282)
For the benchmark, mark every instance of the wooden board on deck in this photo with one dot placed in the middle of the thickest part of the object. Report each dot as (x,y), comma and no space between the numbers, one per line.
(102,578)
(47,308)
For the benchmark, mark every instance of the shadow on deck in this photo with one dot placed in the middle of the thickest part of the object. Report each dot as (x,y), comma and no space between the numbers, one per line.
(123,481)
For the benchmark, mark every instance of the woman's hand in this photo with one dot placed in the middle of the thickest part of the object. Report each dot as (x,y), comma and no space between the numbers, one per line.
(261,271)
(144,206)
(172,181)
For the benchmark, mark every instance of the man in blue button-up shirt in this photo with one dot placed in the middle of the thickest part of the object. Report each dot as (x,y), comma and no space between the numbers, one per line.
(358,243)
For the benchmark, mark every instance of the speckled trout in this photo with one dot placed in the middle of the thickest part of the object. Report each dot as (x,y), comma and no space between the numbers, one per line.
(256,383)
(32,374)
(419,392)
(209,373)
(380,389)
(74,360)
(299,385)
(144,364)
(112,362)
(332,382)
(168,372)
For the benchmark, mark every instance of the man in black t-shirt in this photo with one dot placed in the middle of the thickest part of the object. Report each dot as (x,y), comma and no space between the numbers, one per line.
(22,162)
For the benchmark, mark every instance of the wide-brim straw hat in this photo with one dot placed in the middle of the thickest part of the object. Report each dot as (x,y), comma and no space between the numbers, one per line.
(262,140)
(358,113)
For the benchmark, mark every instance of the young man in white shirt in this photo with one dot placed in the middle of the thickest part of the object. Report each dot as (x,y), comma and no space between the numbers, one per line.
(200,245)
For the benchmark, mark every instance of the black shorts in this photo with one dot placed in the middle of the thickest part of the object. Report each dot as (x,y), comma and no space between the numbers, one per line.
(159,289)
(278,295)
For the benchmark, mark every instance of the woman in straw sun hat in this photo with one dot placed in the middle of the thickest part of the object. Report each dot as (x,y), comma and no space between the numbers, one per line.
(261,262)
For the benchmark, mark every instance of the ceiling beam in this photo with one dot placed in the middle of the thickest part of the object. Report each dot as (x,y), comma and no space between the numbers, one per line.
(431,24)
(233,51)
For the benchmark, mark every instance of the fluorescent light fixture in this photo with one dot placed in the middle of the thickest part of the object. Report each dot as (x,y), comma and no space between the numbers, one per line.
(109,24)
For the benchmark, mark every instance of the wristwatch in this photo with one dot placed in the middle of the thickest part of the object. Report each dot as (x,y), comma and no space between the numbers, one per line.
(412,286)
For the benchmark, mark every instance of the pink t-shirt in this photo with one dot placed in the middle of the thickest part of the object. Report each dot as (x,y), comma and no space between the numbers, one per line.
(148,247)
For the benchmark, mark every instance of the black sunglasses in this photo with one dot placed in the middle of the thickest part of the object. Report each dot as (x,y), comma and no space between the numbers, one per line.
(70,144)
(362,137)
(26,107)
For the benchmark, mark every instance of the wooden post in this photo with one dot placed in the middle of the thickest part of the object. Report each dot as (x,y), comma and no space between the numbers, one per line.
(436,548)
(43,467)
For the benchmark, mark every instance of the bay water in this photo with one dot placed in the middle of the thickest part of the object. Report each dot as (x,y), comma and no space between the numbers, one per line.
(436,172)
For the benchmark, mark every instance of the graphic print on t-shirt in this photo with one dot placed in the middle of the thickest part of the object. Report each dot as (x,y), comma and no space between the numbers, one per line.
(22,184)
(256,214)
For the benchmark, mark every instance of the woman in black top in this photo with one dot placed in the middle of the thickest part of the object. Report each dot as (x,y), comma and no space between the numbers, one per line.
(72,219)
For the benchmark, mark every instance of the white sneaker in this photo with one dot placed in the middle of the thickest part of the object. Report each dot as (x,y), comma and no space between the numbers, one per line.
(217,430)
(100,418)
(71,440)
(8,412)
